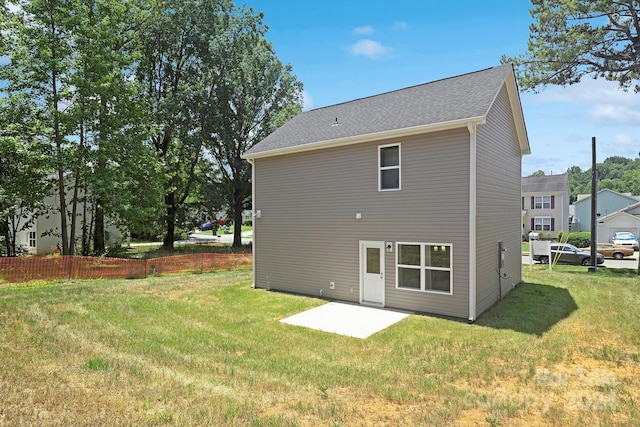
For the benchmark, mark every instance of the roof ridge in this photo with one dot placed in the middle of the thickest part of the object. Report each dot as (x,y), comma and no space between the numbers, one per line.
(406,88)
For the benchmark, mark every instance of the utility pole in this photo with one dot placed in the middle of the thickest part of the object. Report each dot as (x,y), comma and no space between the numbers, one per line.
(594,220)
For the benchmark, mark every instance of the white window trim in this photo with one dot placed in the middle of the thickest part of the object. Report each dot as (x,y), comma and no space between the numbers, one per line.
(380,168)
(423,267)
(32,239)
(542,218)
(542,202)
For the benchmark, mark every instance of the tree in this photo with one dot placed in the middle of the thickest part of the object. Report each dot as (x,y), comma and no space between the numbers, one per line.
(40,50)
(109,119)
(538,173)
(249,94)
(169,72)
(574,38)
(73,58)
(23,163)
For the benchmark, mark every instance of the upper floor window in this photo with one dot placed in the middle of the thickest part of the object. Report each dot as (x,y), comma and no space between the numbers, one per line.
(542,202)
(389,167)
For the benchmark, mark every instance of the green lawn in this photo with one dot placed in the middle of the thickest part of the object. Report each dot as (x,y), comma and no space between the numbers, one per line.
(562,349)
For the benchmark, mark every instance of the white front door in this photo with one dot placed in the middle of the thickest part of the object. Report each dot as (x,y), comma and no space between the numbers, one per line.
(372,272)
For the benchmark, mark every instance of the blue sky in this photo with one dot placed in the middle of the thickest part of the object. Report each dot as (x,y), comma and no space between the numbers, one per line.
(344,50)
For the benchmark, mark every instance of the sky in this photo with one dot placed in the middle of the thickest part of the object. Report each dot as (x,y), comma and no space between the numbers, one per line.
(348,49)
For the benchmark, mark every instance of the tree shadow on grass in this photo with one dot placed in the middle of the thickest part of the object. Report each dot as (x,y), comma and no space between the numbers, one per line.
(531,308)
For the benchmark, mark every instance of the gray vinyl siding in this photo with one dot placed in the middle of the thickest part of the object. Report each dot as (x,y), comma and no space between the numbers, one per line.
(498,187)
(307,235)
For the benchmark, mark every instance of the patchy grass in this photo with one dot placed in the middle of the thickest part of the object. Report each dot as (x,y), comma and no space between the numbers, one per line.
(155,250)
(561,349)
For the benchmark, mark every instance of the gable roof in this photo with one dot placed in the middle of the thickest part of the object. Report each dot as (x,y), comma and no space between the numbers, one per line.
(443,104)
(582,198)
(545,184)
(622,211)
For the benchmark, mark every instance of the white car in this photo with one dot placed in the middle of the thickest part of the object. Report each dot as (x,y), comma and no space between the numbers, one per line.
(626,239)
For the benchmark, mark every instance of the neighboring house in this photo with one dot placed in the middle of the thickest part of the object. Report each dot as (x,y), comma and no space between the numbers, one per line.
(43,237)
(400,200)
(545,205)
(615,212)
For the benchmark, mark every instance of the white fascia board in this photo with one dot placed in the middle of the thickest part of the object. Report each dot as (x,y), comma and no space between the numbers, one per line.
(396,133)
(518,115)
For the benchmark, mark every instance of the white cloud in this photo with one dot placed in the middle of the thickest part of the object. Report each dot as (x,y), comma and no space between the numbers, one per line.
(367,29)
(620,145)
(400,25)
(615,114)
(369,48)
(603,101)
(307,101)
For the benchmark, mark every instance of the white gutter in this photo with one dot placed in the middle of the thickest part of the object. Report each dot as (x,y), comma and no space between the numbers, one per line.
(472,220)
(253,220)
(357,139)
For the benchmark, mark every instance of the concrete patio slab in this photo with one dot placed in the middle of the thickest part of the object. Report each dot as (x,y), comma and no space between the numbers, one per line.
(347,319)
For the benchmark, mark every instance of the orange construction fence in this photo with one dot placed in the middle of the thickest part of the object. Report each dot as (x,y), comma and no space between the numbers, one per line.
(24,269)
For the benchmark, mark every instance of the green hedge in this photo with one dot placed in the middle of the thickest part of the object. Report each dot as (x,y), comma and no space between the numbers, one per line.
(581,239)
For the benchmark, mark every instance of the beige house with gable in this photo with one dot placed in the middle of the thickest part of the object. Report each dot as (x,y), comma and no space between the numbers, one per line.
(545,205)
(408,199)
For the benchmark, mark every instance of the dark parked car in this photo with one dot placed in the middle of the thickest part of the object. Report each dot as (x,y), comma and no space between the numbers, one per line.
(568,254)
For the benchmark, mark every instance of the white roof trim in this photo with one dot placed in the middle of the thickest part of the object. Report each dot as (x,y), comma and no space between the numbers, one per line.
(357,139)
(518,115)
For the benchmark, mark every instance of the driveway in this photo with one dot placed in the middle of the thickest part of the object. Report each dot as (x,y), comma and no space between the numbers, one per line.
(224,238)
(629,262)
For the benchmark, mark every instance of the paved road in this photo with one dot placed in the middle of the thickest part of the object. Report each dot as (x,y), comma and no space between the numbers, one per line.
(204,238)
(224,238)
(630,262)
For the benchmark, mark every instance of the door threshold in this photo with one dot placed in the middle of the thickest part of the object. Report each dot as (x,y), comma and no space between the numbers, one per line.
(372,304)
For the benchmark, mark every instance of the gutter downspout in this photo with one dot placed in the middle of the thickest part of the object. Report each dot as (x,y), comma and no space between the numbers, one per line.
(253,220)
(472,221)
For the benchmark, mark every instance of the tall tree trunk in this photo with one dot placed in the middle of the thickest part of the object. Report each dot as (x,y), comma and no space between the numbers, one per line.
(57,135)
(237,219)
(74,209)
(4,231)
(170,220)
(98,231)
(98,217)
(63,209)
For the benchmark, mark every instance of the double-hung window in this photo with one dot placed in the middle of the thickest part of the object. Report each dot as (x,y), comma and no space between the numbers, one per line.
(542,202)
(542,223)
(389,167)
(32,239)
(424,267)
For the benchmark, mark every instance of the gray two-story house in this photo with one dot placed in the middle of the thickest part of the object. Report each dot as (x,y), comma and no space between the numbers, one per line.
(615,212)
(408,199)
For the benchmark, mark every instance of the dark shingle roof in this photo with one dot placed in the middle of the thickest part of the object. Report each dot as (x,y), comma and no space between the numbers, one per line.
(449,100)
(545,184)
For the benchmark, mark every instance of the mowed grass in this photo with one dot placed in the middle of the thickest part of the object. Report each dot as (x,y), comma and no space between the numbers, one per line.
(561,349)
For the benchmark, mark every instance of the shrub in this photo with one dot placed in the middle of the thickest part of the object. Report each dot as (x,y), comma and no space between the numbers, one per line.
(581,239)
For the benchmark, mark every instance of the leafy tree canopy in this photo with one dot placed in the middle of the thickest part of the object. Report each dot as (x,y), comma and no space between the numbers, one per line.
(573,38)
(615,173)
